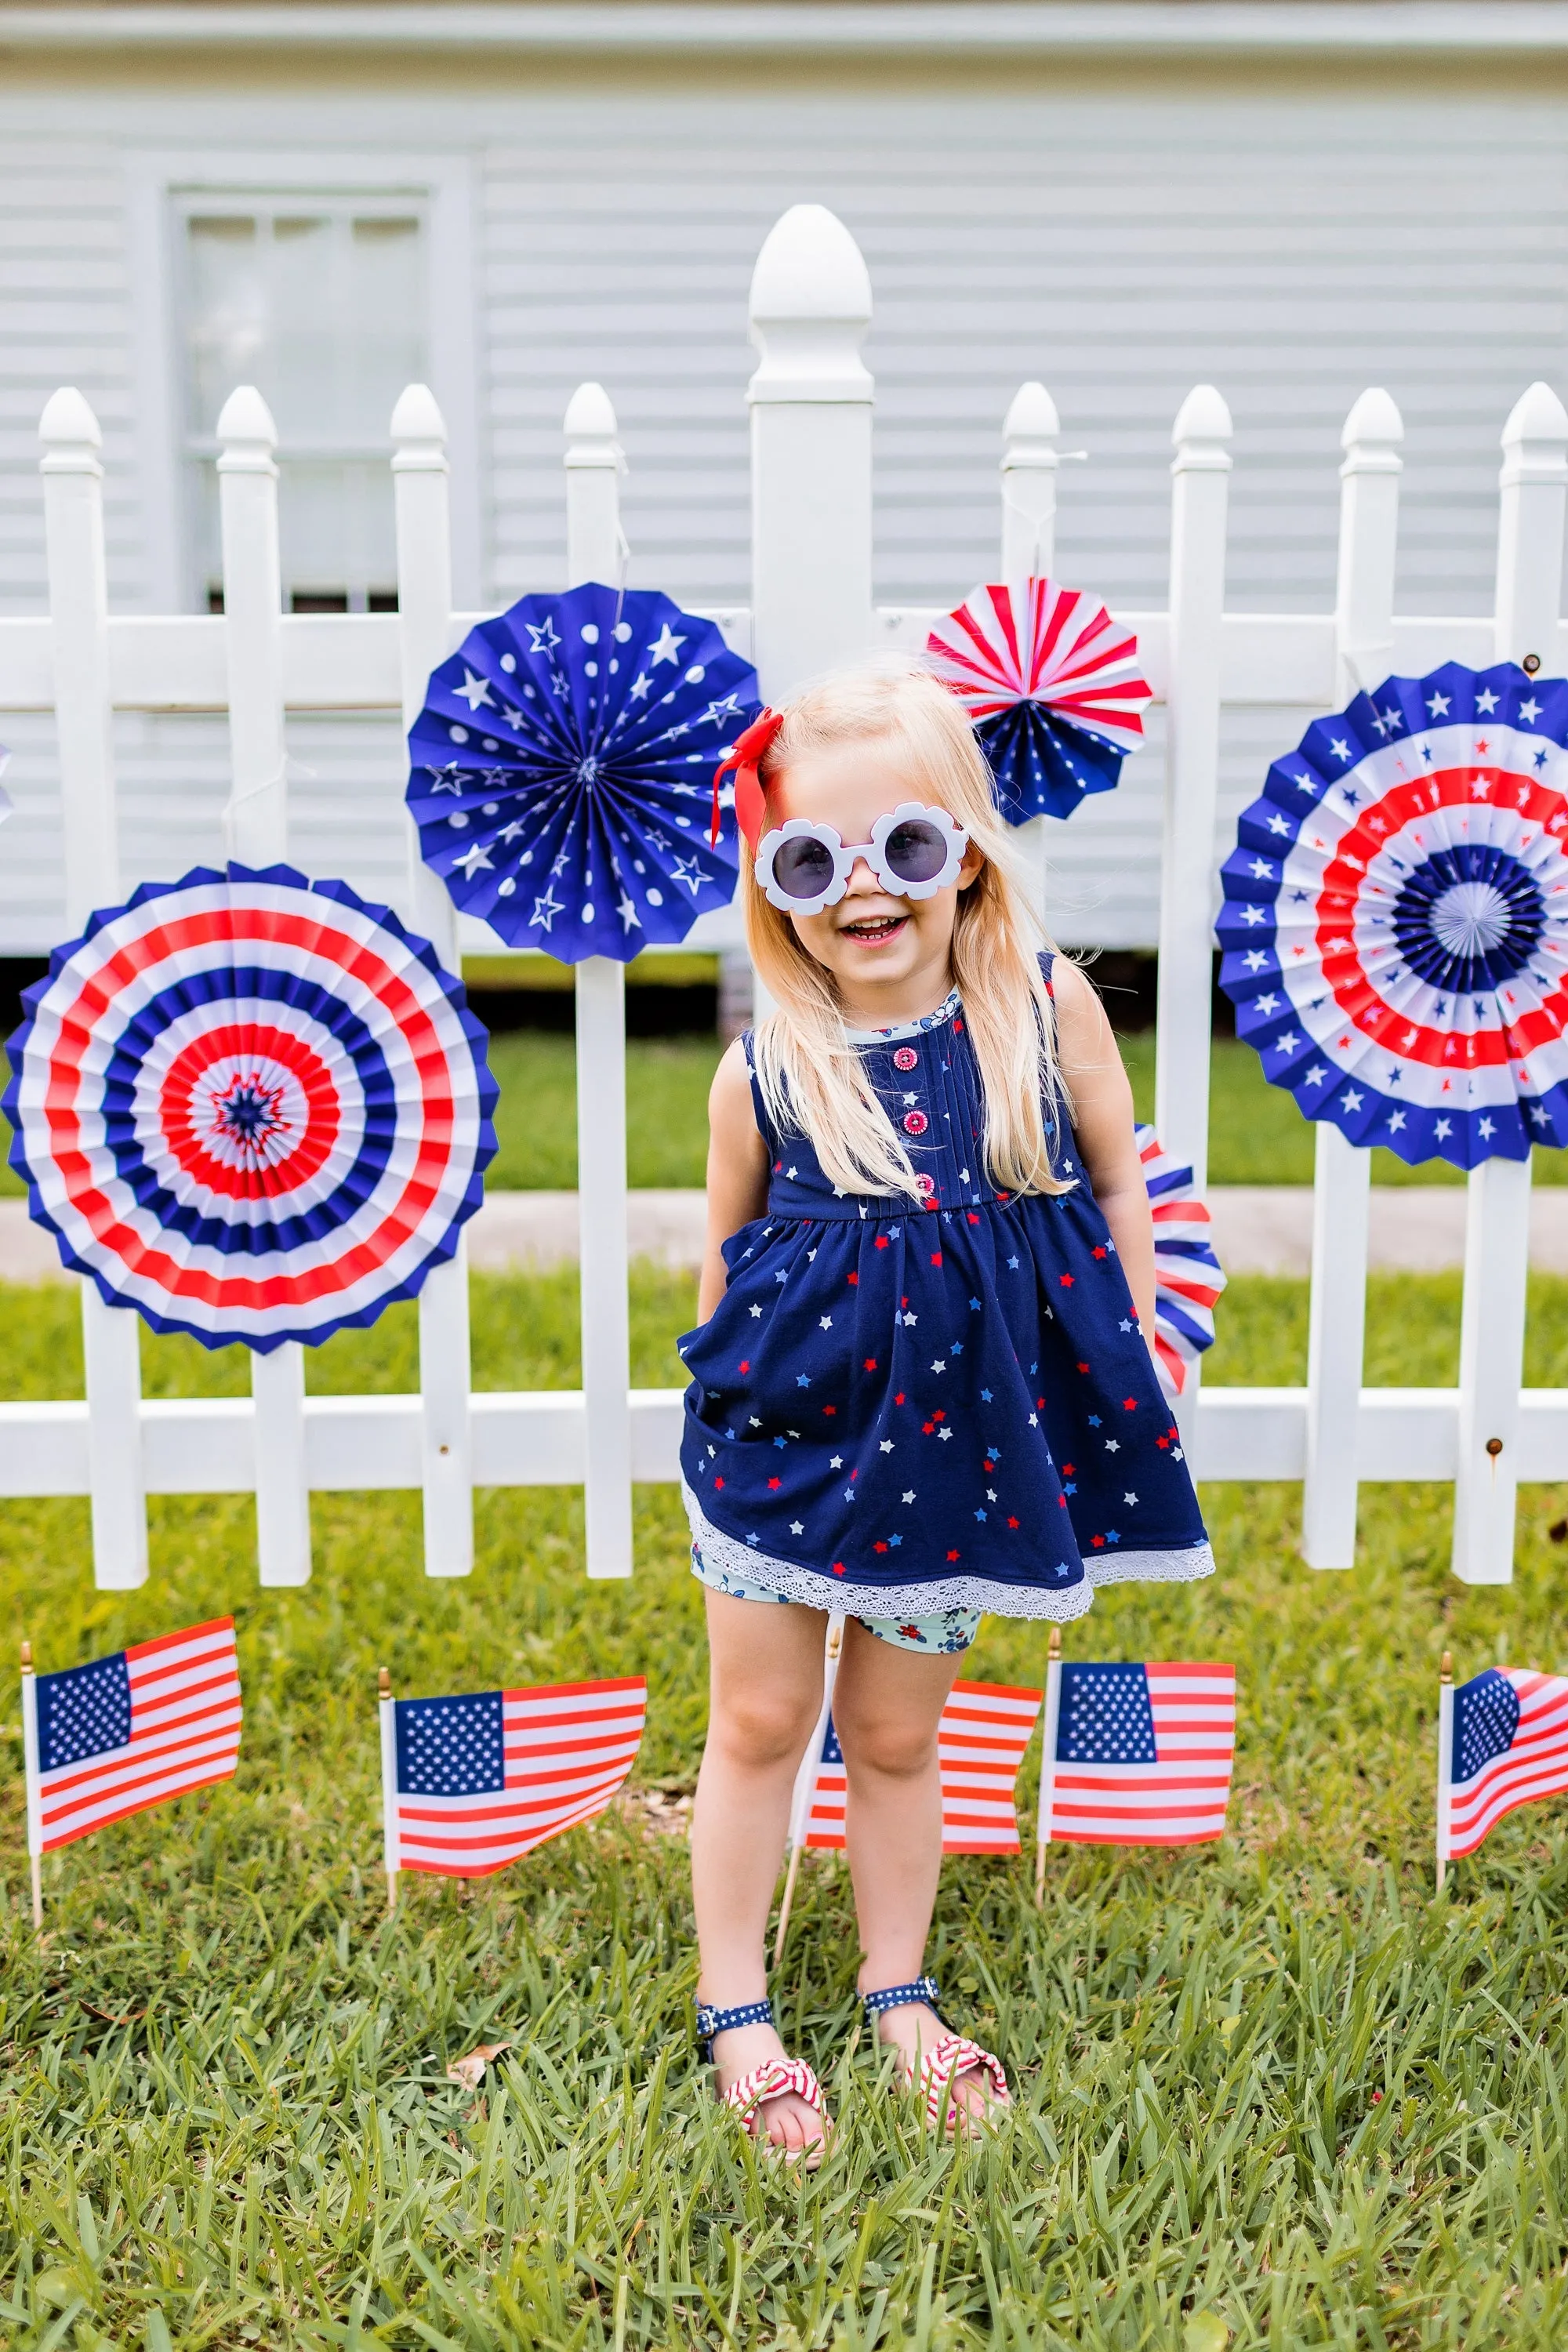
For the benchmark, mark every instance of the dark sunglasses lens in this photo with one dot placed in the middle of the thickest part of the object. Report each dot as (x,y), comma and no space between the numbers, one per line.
(916,850)
(802,867)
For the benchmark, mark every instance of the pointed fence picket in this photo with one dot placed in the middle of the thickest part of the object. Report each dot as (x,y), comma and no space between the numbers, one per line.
(811,405)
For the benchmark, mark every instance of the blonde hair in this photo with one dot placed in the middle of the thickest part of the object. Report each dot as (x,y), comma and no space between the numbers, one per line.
(810,1075)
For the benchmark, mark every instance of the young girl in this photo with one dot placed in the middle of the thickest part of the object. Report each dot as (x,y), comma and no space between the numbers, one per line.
(921,1388)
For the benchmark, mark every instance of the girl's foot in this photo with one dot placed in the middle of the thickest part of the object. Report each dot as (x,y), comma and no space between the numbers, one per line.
(965,2096)
(747,2060)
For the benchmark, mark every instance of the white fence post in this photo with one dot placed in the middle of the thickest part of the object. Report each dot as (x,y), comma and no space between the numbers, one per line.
(596,550)
(810,451)
(423,632)
(78,612)
(1029,469)
(1341,1193)
(256,824)
(1497,1224)
(1199,499)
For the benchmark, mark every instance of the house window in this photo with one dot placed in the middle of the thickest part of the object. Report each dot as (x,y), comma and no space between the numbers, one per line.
(322,305)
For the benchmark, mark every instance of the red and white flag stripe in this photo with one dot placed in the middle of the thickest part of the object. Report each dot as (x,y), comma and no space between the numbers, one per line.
(981,1736)
(1178,1799)
(184,1734)
(568,1748)
(1535,1764)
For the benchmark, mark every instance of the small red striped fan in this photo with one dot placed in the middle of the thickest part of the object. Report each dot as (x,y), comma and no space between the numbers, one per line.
(1188,1277)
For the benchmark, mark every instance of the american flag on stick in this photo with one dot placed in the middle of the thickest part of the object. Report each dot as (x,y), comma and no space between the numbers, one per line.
(470,1783)
(1136,1755)
(1502,1741)
(124,1733)
(981,1738)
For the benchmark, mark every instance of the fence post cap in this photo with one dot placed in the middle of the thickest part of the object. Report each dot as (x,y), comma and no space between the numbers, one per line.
(247,433)
(809,308)
(810,268)
(1202,416)
(589,425)
(1536,415)
(68,421)
(418,431)
(417,416)
(1374,417)
(1031,414)
(590,413)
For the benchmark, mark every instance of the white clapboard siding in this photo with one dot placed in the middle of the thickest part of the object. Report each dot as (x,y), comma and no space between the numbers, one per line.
(64,317)
(1119,242)
(1290,250)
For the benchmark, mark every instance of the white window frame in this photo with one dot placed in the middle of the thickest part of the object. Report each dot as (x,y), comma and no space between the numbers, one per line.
(162,184)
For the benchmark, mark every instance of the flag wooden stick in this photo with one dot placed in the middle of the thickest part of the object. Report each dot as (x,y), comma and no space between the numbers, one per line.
(806,1779)
(30,1776)
(1048,1757)
(1444,1760)
(388,1784)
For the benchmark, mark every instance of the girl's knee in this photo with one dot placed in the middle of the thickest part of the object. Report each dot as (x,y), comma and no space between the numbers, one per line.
(889,1746)
(758,1726)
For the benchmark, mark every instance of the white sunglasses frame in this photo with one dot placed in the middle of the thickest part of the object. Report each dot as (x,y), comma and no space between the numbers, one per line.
(845,856)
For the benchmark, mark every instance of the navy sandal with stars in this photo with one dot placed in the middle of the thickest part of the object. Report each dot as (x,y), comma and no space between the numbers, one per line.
(771,2080)
(952,2055)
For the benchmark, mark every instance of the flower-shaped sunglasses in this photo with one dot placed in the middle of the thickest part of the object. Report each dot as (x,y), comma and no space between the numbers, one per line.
(803,866)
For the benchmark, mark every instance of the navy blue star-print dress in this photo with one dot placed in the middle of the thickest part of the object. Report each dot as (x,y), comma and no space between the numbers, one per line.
(895,1412)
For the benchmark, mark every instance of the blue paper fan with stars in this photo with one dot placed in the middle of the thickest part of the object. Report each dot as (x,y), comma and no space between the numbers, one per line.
(561,771)
(1395,919)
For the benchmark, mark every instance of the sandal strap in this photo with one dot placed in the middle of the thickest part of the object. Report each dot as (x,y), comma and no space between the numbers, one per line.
(956,2055)
(904,1996)
(771,2080)
(712,2020)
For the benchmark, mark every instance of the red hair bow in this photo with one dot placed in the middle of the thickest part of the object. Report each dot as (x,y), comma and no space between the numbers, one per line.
(751,804)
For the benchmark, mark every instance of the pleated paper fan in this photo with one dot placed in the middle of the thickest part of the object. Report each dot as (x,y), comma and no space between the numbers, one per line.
(1052,686)
(251,1107)
(561,771)
(1188,1277)
(1396,916)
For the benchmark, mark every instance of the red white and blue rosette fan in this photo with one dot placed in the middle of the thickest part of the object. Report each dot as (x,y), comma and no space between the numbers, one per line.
(561,771)
(1396,916)
(1053,688)
(1188,1277)
(251,1107)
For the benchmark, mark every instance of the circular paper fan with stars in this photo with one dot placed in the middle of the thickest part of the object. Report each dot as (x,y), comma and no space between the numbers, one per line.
(1396,916)
(251,1107)
(1053,688)
(1188,1277)
(561,771)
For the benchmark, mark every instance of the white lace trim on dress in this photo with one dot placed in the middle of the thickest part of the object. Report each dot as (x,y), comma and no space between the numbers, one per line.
(815,1591)
(1150,1567)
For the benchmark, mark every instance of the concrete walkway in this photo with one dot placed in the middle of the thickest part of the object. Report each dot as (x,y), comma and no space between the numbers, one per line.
(1258,1229)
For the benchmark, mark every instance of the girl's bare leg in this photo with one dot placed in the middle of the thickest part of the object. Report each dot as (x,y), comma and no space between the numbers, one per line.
(887,1705)
(766,1667)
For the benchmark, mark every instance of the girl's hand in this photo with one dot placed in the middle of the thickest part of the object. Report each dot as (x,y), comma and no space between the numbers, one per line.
(737,1171)
(1102,1115)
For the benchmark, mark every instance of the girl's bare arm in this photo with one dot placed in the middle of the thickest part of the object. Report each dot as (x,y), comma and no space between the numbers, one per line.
(1102,1115)
(737,1171)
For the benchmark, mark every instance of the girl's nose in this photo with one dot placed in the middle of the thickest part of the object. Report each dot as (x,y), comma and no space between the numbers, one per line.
(862,878)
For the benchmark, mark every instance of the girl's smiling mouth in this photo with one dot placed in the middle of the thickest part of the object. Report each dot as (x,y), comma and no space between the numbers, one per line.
(874,930)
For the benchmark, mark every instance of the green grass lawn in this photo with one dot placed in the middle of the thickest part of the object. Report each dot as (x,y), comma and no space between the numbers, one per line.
(1274,2088)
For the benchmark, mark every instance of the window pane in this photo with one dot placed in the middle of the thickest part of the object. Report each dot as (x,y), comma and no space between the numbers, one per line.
(322,306)
(226,322)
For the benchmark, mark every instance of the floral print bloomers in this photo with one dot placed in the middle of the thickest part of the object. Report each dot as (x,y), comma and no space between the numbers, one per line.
(901,1413)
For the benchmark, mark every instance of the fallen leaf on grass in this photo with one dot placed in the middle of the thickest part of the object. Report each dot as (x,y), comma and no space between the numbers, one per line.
(470,2070)
(111,2016)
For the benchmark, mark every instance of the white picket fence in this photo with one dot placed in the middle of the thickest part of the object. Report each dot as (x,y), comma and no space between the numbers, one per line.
(812,608)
